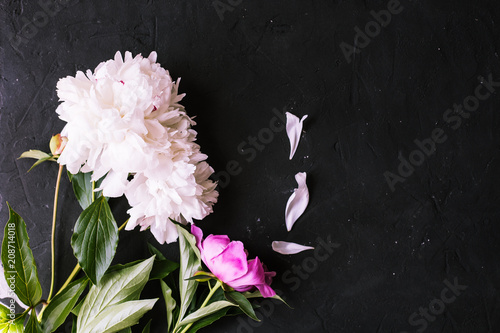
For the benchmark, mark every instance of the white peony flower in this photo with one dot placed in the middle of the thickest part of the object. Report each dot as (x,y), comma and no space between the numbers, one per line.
(125,119)
(115,118)
(184,194)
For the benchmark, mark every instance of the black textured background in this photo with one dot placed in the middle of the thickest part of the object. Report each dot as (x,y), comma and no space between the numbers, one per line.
(394,249)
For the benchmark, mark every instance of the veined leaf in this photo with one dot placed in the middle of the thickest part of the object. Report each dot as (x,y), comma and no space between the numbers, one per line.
(39,155)
(189,238)
(206,311)
(169,303)
(119,316)
(61,305)
(8,325)
(243,303)
(208,320)
(154,251)
(95,239)
(190,263)
(257,293)
(36,154)
(126,330)
(18,261)
(162,268)
(33,326)
(82,186)
(116,287)
(76,309)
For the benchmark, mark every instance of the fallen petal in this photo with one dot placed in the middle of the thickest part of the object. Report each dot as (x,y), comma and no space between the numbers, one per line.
(297,203)
(289,248)
(294,130)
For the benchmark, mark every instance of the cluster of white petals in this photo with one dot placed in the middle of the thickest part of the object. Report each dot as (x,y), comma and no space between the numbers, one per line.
(125,120)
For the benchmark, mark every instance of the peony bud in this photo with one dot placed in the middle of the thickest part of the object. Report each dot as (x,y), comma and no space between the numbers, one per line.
(57,144)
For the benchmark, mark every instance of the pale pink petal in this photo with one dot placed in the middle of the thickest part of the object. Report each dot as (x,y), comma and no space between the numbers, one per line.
(114,184)
(294,130)
(289,248)
(297,203)
(152,56)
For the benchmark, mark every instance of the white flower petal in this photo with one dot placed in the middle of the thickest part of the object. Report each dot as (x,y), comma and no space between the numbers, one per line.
(114,184)
(294,130)
(297,203)
(289,248)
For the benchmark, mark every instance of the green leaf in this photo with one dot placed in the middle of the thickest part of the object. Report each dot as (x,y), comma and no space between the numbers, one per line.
(115,288)
(189,238)
(122,266)
(4,313)
(190,263)
(73,327)
(205,321)
(82,186)
(77,308)
(95,239)
(40,161)
(39,155)
(119,316)
(162,268)
(201,276)
(257,293)
(126,330)
(36,154)
(154,251)
(33,326)
(169,302)
(61,305)
(10,325)
(243,303)
(18,261)
(204,312)
(147,328)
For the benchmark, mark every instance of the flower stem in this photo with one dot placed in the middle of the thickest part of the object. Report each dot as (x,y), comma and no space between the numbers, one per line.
(54,218)
(76,270)
(123,225)
(210,294)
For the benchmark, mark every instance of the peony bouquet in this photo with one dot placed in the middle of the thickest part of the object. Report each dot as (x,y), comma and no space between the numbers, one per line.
(127,134)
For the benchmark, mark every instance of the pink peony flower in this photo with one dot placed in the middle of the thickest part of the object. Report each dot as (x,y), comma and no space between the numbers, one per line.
(227,260)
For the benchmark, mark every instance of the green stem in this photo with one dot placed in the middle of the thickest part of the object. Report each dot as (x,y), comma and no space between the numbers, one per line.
(54,217)
(123,225)
(77,268)
(210,294)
